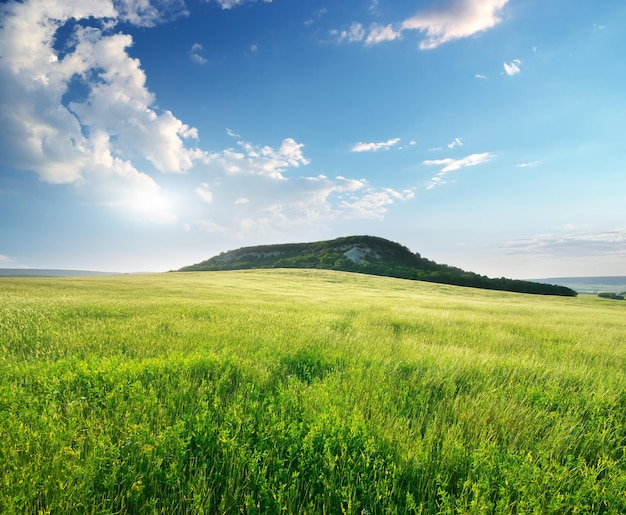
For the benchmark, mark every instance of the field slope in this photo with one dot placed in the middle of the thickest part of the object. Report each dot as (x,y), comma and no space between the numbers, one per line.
(298,391)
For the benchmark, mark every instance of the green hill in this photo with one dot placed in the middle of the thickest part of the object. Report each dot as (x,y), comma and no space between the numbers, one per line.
(368,255)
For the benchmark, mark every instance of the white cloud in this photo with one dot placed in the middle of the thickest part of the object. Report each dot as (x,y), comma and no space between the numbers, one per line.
(316,16)
(229,4)
(446,21)
(531,164)
(450,165)
(374,147)
(457,142)
(149,13)
(512,68)
(355,33)
(255,191)
(256,160)
(455,19)
(116,183)
(480,76)
(94,141)
(589,244)
(373,203)
(195,55)
(379,33)
(204,193)
(373,35)
(109,139)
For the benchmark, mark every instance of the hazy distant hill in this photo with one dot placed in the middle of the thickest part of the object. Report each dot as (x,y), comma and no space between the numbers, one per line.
(43,272)
(589,284)
(369,255)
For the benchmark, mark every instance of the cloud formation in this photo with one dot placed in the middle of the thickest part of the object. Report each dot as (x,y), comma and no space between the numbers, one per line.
(229,4)
(456,19)
(356,32)
(76,110)
(445,21)
(378,34)
(590,244)
(46,127)
(375,147)
(531,164)
(457,142)
(252,159)
(450,165)
(255,190)
(512,68)
(195,54)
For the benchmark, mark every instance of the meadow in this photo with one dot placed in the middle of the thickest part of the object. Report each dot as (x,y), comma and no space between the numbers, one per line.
(295,391)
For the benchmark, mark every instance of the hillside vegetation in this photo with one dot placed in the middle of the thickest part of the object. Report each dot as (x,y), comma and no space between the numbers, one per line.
(307,391)
(368,255)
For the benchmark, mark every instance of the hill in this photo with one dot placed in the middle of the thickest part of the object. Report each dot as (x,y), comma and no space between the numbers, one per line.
(48,272)
(615,284)
(368,255)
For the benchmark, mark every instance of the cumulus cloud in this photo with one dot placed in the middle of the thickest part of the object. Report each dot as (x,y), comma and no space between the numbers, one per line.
(455,19)
(105,129)
(373,35)
(373,203)
(149,13)
(379,33)
(256,191)
(445,21)
(116,183)
(375,147)
(457,142)
(195,54)
(260,160)
(356,32)
(512,68)
(55,139)
(79,112)
(450,165)
(229,4)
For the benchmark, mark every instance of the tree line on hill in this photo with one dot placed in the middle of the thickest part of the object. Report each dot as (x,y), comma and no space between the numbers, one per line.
(379,257)
(612,295)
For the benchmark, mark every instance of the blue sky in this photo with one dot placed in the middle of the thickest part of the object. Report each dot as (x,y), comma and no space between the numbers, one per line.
(145,135)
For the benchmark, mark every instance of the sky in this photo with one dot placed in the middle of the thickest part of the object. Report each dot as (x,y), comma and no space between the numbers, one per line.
(146,135)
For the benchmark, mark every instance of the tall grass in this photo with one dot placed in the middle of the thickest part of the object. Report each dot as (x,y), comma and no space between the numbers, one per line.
(307,392)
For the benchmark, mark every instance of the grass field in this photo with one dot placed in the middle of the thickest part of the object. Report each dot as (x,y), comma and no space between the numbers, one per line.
(307,392)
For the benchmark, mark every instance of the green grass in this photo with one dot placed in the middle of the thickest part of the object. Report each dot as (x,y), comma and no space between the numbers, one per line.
(307,392)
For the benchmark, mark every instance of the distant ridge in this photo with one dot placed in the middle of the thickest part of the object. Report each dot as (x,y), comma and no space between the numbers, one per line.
(368,255)
(616,284)
(44,272)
